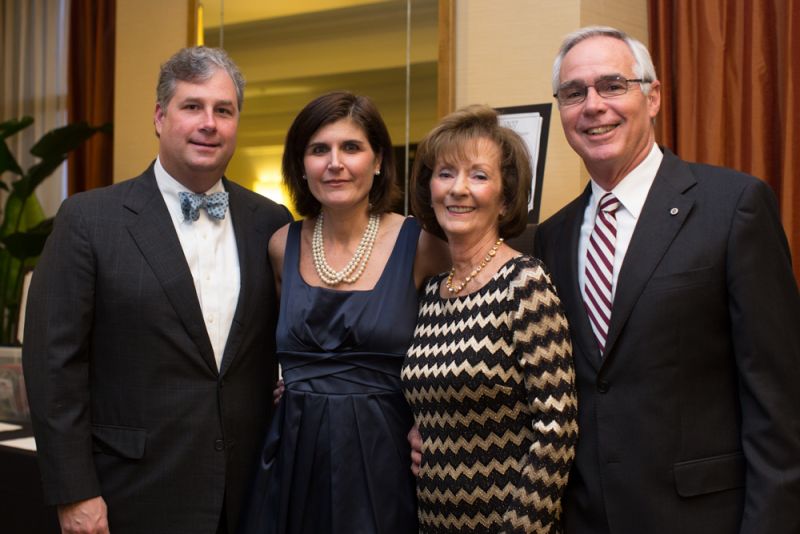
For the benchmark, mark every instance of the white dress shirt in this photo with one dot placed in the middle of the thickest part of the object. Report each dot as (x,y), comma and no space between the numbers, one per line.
(631,192)
(210,248)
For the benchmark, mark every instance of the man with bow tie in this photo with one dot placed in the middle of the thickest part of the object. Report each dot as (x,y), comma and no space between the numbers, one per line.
(149,350)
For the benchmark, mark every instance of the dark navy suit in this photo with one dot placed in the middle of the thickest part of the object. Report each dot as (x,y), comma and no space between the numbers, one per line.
(126,398)
(689,420)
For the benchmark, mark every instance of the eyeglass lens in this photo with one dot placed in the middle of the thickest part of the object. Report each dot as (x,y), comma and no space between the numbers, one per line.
(607,86)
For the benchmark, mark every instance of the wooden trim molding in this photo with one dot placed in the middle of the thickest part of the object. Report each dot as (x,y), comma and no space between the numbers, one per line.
(446,90)
(193,22)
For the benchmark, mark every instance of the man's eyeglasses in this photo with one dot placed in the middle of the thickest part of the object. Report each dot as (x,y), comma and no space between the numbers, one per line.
(607,87)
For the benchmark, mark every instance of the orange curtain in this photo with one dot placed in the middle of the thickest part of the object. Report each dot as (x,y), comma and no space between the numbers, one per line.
(731,90)
(91,89)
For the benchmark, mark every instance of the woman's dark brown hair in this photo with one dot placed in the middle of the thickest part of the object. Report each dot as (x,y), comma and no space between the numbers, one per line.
(324,110)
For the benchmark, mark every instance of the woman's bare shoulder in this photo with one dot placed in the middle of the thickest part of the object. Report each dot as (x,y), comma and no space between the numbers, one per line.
(278,240)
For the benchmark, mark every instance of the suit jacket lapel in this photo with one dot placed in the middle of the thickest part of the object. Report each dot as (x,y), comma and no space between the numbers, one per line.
(241,212)
(663,215)
(570,291)
(154,233)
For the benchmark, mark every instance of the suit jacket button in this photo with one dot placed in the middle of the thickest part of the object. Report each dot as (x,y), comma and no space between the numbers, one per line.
(603,386)
(219,445)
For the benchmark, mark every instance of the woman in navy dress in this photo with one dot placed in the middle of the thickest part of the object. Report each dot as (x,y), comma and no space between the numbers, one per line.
(336,455)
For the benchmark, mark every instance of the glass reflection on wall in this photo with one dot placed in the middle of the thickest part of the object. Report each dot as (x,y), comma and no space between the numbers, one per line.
(291,52)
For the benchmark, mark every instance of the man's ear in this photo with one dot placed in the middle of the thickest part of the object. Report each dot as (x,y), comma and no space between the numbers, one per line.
(158,118)
(654,98)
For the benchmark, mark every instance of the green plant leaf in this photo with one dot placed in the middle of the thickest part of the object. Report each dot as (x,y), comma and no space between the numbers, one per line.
(11,269)
(24,229)
(58,142)
(21,214)
(17,252)
(25,186)
(53,148)
(24,244)
(12,126)
(43,227)
(7,161)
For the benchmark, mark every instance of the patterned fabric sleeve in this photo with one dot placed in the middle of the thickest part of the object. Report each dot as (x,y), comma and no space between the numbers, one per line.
(544,352)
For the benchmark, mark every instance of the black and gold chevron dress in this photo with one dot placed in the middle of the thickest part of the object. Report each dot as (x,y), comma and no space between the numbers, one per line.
(490,380)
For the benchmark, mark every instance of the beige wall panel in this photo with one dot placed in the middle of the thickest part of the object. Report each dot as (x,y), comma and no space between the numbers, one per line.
(629,16)
(148,33)
(504,57)
(505,48)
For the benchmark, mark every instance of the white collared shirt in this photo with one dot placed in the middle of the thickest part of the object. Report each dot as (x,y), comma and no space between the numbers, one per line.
(210,248)
(631,192)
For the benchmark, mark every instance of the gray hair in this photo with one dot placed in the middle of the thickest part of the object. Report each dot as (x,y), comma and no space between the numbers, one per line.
(196,64)
(643,64)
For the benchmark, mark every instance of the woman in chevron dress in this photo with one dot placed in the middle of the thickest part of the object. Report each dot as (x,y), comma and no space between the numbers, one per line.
(489,374)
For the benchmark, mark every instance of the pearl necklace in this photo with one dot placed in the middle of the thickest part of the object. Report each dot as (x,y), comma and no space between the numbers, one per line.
(359,260)
(454,290)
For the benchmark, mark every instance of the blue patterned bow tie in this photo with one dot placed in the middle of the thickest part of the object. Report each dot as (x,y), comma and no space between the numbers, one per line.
(215,204)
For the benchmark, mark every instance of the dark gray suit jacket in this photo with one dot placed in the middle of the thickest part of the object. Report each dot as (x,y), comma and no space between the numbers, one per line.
(125,395)
(688,422)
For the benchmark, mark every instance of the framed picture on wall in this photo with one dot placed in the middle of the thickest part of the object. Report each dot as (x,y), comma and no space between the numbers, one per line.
(532,123)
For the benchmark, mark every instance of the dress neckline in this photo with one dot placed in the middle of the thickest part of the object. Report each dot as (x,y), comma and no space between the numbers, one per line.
(493,280)
(350,291)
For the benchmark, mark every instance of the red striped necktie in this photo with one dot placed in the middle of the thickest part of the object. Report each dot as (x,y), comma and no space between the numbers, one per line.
(597,291)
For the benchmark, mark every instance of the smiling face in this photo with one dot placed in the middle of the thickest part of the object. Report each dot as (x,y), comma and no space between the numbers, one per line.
(611,135)
(467,192)
(340,165)
(197,130)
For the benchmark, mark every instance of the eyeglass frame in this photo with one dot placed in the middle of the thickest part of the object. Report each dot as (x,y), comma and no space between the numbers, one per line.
(586,87)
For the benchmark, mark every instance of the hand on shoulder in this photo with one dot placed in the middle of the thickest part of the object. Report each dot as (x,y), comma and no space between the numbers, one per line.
(433,257)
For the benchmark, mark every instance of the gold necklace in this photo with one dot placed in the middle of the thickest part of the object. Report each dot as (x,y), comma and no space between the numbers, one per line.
(357,263)
(454,290)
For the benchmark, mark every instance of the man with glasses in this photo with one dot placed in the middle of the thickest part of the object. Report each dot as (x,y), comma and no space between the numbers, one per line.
(685,318)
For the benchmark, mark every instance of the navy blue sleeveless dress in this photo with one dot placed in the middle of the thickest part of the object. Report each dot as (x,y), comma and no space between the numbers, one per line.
(336,459)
